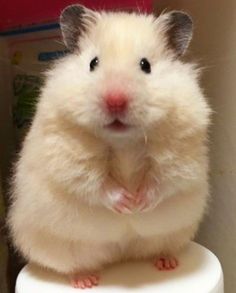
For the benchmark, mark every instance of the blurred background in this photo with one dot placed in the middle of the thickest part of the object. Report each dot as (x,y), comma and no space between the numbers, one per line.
(30,39)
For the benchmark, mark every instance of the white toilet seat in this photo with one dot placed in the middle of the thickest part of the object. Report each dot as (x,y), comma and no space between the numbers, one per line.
(199,272)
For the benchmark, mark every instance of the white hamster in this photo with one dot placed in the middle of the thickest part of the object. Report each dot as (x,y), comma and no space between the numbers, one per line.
(115,164)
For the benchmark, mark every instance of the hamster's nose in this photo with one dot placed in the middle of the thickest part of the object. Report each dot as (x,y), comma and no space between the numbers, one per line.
(116,103)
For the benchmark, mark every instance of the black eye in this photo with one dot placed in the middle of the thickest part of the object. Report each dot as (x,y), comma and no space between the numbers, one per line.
(94,63)
(145,65)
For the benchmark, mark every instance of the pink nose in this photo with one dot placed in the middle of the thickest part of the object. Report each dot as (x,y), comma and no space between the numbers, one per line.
(116,103)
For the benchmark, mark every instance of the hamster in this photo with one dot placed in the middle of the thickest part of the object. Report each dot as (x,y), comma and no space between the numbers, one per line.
(115,164)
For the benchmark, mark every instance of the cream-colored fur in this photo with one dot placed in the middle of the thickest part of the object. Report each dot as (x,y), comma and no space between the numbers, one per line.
(61,215)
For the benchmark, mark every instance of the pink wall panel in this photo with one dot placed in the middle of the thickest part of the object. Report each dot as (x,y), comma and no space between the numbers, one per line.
(25,12)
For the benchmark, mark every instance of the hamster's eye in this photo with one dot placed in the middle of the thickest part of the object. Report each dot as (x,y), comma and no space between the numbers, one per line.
(145,65)
(94,63)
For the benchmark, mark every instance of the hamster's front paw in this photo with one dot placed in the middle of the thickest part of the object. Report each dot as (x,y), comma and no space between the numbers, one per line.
(121,201)
(118,199)
(147,196)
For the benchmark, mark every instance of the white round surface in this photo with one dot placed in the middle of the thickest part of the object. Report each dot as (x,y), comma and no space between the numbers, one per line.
(199,272)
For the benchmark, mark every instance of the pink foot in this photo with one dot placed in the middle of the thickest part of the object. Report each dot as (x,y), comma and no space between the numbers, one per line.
(84,281)
(166,263)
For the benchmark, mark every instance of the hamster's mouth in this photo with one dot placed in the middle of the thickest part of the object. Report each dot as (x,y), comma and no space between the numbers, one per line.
(117,125)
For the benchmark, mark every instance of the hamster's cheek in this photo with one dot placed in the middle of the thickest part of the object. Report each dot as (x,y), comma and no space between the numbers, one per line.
(154,115)
(149,109)
(89,115)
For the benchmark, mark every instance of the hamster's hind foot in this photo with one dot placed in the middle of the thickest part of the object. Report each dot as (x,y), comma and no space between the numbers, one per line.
(166,263)
(84,281)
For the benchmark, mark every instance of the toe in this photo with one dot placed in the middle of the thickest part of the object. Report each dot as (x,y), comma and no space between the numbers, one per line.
(127,195)
(173,263)
(83,282)
(166,263)
(94,279)
(121,209)
(159,264)
(88,283)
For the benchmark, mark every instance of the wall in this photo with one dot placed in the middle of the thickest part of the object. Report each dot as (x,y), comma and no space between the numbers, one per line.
(3,246)
(6,125)
(6,147)
(214,46)
(24,13)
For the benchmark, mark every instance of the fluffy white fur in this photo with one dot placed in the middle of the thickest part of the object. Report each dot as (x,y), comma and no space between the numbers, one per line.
(63,192)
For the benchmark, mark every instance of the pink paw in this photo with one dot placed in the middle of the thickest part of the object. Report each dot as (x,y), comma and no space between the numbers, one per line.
(125,204)
(141,201)
(147,197)
(84,281)
(166,263)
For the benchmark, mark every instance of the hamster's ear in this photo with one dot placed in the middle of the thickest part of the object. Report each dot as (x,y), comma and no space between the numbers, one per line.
(75,20)
(178,27)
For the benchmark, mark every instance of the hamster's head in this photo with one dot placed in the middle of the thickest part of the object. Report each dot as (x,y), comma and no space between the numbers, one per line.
(123,75)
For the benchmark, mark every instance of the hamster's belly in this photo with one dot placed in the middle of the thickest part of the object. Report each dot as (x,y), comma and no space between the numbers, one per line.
(102,225)
(86,223)
(173,214)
